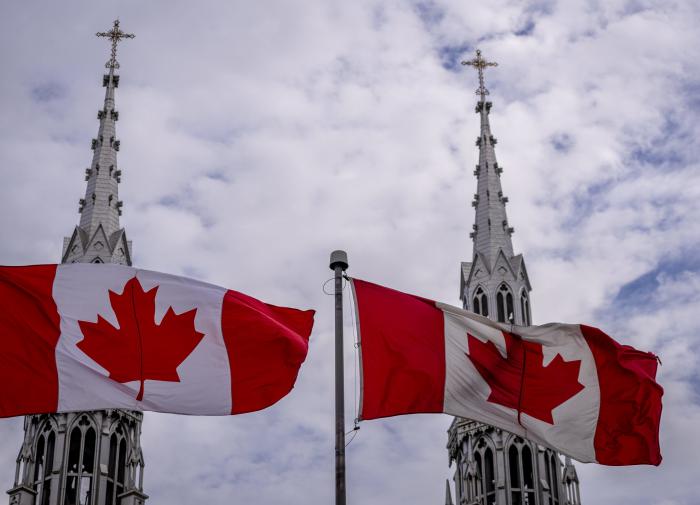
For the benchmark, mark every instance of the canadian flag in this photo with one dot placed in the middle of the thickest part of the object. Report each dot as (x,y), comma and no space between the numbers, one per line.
(569,387)
(86,337)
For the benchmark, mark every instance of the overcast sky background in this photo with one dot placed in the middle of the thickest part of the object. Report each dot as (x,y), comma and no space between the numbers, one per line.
(256,137)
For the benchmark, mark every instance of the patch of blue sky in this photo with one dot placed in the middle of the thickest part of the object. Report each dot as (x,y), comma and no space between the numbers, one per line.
(171,201)
(671,220)
(47,92)
(451,56)
(639,293)
(260,457)
(527,29)
(489,36)
(633,7)
(587,201)
(664,148)
(690,91)
(543,7)
(181,200)
(379,17)
(217,175)
(695,388)
(657,156)
(562,142)
(429,12)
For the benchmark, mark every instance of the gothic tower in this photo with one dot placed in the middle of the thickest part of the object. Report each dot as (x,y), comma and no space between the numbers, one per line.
(494,467)
(88,458)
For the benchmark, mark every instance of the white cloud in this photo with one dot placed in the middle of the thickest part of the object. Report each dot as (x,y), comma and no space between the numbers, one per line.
(258,137)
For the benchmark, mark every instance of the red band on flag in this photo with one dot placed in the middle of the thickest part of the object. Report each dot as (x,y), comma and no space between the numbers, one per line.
(30,331)
(266,346)
(402,341)
(630,402)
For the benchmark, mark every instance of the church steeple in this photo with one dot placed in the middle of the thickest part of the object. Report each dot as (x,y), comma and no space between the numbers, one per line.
(491,231)
(493,466)
(94,457)
(99,238)
(495,282)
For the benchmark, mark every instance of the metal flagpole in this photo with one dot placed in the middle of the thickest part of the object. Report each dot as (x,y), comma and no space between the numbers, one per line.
(339,263)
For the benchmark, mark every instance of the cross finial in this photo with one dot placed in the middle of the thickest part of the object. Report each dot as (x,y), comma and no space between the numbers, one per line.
(479,63)
(115,35)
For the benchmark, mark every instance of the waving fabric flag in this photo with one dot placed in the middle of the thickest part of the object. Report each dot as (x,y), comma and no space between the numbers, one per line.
(569,387)
(86,337)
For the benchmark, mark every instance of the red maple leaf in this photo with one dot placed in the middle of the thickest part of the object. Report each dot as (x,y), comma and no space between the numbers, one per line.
(520,381)
(140,349)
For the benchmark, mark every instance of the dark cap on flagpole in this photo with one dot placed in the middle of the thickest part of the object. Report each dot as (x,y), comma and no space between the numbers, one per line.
(339,259)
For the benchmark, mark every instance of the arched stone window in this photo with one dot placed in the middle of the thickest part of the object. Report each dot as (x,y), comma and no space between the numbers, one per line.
(521,473)
(489,477)
(472,478)
(459,483)
(525,308)
(116,469)
(480,302)
(81,463)
(552,470)
(573,496)
(478,491)
(504,304)
(484,457)
(43,465)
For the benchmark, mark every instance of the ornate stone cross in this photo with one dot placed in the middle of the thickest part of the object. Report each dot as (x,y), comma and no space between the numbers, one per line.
(480,64)
(115,35)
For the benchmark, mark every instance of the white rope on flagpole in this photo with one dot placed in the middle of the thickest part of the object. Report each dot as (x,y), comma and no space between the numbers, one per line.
(355,346)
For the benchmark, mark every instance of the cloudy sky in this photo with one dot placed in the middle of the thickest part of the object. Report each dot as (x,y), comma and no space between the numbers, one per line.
(259,136)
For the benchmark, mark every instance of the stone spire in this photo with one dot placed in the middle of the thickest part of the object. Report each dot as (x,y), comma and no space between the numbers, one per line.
(493,466)
(99,238)
(448,493)
(571,483)
(495,282)
(94,457)
(491,231)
